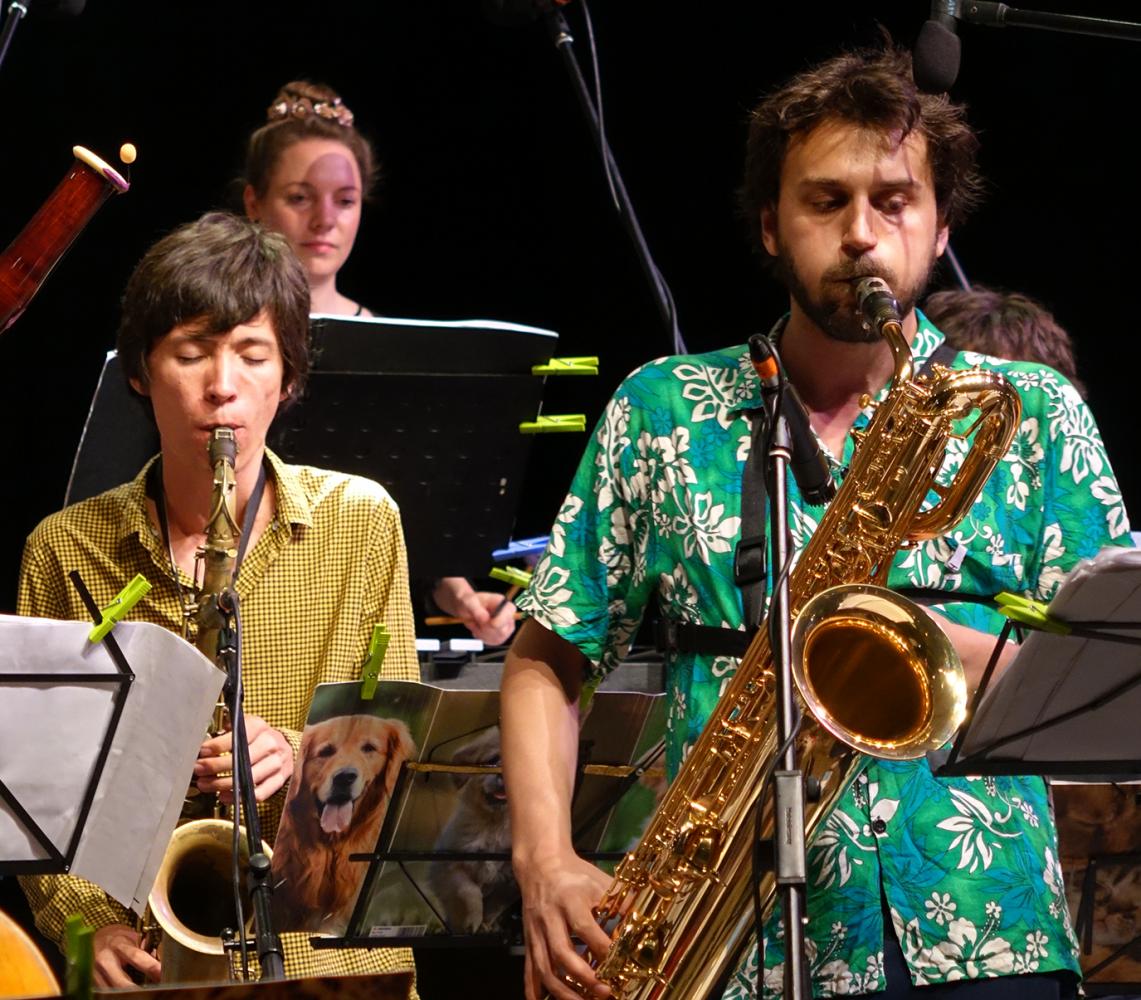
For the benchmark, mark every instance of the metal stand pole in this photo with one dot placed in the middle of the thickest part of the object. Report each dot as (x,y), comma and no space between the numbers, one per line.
(268,943)
(788,827)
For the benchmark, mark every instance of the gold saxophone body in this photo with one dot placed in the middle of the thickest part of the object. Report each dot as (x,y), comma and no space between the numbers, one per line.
(874,671)
(192,899)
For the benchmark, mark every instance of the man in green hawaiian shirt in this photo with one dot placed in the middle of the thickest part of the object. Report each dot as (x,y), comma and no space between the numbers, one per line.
(913,881)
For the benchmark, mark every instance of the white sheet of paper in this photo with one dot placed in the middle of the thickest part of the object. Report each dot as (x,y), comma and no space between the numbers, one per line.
(1054,674)
(50,735)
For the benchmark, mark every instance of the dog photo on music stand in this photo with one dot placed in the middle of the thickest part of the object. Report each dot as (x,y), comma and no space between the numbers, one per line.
(341,787)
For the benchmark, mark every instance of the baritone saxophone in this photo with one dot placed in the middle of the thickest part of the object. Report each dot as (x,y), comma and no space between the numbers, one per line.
(874,672)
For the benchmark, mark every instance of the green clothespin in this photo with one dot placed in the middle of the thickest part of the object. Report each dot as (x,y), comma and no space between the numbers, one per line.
(567,366)
(1029,612)
(78,946)
(117,610)
(370,672)
(520,578)
(554,424)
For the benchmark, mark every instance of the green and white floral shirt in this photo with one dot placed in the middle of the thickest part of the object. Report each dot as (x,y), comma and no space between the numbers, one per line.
(968,867)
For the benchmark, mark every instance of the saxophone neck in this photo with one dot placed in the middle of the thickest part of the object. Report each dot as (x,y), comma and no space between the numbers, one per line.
(219,554)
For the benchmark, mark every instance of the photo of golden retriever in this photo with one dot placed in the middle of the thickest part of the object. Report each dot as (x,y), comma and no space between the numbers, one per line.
(342,782)
(474,894)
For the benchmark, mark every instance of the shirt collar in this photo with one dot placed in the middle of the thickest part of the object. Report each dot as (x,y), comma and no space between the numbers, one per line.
(293,506)
(927,339)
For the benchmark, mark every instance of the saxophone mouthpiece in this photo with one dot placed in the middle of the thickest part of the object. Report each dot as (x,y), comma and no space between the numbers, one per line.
(223,446)
(876,303)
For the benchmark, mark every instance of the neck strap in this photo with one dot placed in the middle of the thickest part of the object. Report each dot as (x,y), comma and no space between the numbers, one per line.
(157,493)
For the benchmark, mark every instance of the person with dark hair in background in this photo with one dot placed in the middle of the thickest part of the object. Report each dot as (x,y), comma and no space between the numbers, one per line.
(916,885)
(1003,325)
(214,333)
(308,170)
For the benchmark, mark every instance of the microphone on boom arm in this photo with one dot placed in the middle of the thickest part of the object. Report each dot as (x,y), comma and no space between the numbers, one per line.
(935,56)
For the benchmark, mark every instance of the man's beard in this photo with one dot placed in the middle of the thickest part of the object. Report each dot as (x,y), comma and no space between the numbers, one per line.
(833,307)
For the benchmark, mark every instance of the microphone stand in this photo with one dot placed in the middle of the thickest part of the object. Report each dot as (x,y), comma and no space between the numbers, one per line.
(563,40)
(999,15)
(257,877)
(790,862)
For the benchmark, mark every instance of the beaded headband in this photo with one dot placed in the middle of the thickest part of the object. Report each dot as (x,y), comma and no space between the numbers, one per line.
(302,107)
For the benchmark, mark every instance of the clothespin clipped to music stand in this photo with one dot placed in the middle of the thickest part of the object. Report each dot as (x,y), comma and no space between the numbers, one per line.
(370,672)
(567,366)
(554,424)
(511,574)
(1031,613)
(117,610)
(79,949)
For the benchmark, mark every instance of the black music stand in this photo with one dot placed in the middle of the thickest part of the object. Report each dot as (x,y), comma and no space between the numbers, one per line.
(127,754)
(1080,690)
(55,855)
(414,887)
(431,410)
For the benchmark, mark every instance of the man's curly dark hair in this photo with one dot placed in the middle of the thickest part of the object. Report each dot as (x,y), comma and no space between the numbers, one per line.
(872,89)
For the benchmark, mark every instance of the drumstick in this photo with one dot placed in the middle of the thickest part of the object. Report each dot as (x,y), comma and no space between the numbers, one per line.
(451,620)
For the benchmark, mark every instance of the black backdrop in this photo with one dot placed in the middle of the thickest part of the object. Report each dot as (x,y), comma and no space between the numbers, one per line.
(493,203)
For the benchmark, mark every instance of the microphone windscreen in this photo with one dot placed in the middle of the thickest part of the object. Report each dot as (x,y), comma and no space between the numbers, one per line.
(935,58)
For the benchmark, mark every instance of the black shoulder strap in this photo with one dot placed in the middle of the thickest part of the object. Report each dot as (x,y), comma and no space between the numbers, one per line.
(944,354)
(750,566)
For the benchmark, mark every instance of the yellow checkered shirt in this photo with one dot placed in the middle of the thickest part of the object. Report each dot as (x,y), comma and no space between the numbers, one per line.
(330,565)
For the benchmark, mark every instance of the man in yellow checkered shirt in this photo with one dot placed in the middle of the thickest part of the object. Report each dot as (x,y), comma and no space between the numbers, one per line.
(214,333)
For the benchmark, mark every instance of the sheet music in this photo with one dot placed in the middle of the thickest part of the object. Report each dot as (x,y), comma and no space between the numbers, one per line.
(50,736)
(1054,674)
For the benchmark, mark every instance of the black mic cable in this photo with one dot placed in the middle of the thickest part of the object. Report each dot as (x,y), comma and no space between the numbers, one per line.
(808,465)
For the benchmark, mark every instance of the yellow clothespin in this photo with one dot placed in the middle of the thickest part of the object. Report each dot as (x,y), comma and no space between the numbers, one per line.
(510,574)
(78,946)
(128,597)
(370,672)
(554,424)
(567,366)
(1029,612)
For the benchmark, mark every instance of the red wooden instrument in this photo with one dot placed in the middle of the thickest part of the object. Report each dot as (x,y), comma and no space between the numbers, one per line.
(44,240)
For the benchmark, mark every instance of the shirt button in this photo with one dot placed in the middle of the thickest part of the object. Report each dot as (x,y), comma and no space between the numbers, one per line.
(879,826)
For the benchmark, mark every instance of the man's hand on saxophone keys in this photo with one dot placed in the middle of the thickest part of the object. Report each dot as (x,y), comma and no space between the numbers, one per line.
(559,896)
(271,760)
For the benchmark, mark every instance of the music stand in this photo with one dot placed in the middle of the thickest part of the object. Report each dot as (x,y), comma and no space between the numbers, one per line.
(55,854)
(431,410)
(1080,690)
(125,755)
(415,887)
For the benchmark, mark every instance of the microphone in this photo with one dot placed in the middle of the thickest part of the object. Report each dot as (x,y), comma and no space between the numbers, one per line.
(808,465)
(935,56)
(877,304)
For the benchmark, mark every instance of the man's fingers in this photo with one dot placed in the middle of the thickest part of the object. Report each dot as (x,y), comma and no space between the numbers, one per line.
(268,775)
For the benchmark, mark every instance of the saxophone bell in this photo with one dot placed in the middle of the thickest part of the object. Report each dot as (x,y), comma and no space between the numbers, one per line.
(878,672)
